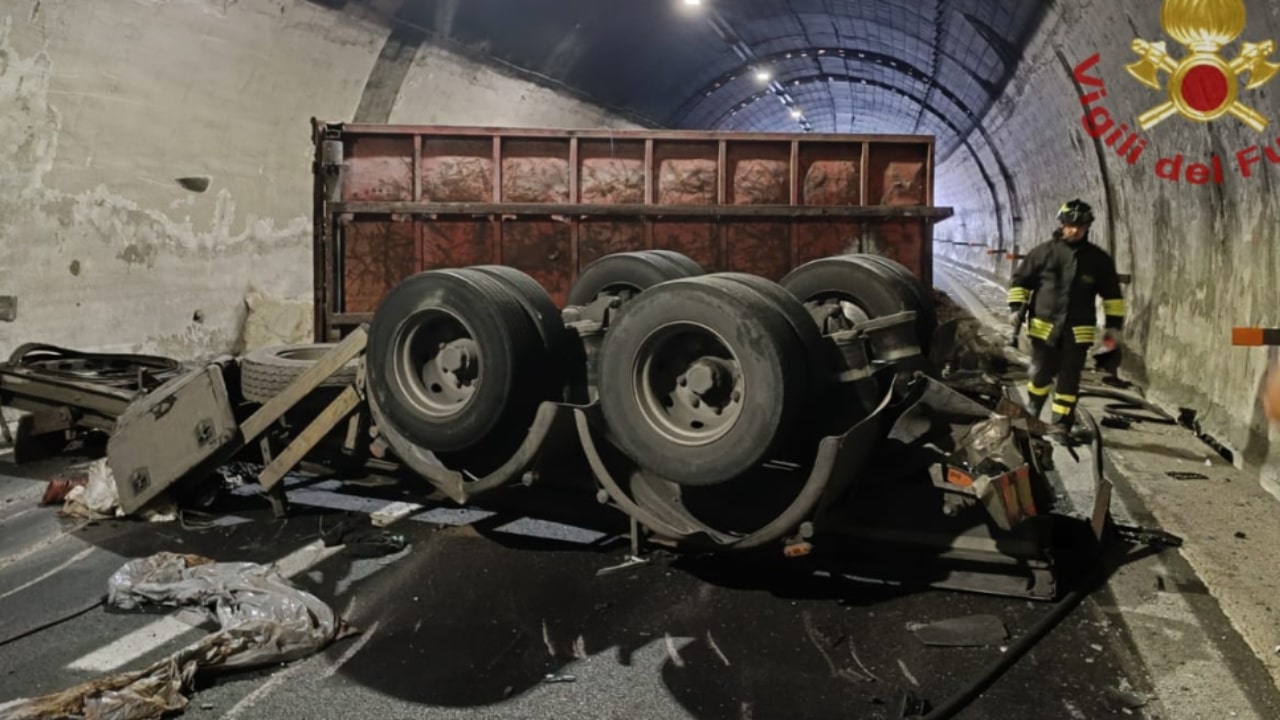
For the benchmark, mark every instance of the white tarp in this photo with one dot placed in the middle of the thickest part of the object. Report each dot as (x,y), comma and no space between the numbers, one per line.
(264,620)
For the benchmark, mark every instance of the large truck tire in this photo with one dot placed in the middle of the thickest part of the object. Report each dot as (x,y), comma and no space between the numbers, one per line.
(702,380)
(266,372)
(680,260)
(927,320)
(869,286)
(627,274)
(454,358)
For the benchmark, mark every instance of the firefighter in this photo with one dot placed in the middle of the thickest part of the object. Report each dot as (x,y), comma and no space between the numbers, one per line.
(1060,280)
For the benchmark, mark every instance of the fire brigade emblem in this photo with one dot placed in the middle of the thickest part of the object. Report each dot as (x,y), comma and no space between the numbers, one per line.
(1203,86)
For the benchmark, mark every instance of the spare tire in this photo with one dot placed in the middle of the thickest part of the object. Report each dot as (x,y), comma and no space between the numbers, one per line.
(627,274)
(453,358)
(701,380)
(266,372)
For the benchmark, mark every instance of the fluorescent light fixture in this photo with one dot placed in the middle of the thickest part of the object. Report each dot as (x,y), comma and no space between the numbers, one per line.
(763,75)
(692,2)
(795,113)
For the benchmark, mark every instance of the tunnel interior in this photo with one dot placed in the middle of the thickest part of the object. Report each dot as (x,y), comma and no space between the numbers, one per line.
(155,159)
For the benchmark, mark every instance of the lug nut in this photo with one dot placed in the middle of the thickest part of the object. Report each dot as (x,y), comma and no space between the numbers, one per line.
(737,396)
(696,403)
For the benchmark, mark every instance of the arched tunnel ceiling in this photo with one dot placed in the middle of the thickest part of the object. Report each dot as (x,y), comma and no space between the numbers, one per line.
(862,66)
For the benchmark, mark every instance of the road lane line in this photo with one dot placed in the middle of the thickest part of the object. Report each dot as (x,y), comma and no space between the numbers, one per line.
(134,645)
(72,560)
(356,647)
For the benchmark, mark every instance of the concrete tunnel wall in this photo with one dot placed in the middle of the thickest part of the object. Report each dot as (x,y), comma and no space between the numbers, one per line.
(104,105)
(1204,258)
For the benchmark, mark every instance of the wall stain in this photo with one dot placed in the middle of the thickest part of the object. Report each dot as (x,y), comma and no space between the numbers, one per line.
(100,223)
(136,254)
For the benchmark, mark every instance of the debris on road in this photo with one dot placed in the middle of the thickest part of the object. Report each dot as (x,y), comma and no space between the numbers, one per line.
(264,620)
(99,498)
(970,631)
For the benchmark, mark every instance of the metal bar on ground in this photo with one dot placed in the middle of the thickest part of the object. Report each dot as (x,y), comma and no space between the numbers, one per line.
(309,437)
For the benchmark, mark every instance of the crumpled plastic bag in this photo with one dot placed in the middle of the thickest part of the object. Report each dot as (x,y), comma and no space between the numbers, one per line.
(264,620)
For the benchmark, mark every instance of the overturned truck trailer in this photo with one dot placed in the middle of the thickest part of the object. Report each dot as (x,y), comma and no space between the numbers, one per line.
(728,333)
(392,201)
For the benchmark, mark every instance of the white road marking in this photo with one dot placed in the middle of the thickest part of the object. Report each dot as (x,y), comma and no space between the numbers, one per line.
(673,653)
(248,701)
(712,642)
(54,571)
(145,639)
(351,651)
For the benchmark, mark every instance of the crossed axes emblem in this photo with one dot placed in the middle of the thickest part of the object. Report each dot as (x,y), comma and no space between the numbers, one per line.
(1203,86)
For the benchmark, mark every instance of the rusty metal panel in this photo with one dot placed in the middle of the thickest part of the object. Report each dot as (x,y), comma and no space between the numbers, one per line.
(450,243)
(760,173)
(457,169)
(378,169)
(551,201)
(376,256)
(832,174)
(759,248)
(611,173)
(597,238)
(544,250)
(698,240)
(688,172)
(905,241)
(819,239)
(535,171)
(896,174)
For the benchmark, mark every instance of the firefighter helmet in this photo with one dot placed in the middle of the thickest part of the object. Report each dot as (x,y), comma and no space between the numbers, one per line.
(1075,212)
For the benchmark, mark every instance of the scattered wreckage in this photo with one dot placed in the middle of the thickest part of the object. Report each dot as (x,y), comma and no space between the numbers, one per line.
(719,412)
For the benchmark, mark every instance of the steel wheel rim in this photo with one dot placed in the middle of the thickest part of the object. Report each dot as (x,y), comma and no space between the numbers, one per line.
(436,363)
(688,384)
(836,312)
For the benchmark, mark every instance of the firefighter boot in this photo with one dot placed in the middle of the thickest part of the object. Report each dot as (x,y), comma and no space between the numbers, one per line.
(1036,399)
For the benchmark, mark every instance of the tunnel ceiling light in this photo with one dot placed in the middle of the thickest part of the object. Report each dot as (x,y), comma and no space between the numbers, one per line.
(795,113)
(692,2)
(763,75)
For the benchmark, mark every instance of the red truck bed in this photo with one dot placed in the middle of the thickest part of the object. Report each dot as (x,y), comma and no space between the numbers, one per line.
(391,201)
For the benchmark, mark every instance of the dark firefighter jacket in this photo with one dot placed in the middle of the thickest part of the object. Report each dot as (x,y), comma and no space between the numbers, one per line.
(1062,281)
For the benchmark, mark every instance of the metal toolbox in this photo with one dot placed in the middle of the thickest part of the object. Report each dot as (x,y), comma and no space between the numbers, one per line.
(184,426)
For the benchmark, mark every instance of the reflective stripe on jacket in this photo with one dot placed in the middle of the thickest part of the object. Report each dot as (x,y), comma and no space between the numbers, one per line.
(1062,281)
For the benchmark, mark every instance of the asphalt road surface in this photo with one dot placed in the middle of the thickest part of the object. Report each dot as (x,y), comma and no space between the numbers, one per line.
(498,616)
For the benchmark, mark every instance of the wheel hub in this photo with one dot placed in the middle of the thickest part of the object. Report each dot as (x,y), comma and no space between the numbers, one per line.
(689,386)
(440,364)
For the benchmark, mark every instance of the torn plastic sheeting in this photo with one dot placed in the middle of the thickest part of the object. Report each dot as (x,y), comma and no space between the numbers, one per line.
(99,498)
(264,620)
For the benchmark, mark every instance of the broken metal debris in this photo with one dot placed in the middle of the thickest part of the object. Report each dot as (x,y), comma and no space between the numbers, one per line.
(1181,475)
(263,620)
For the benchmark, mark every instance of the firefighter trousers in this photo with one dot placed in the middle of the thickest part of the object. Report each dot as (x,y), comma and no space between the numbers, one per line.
(1063,362)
